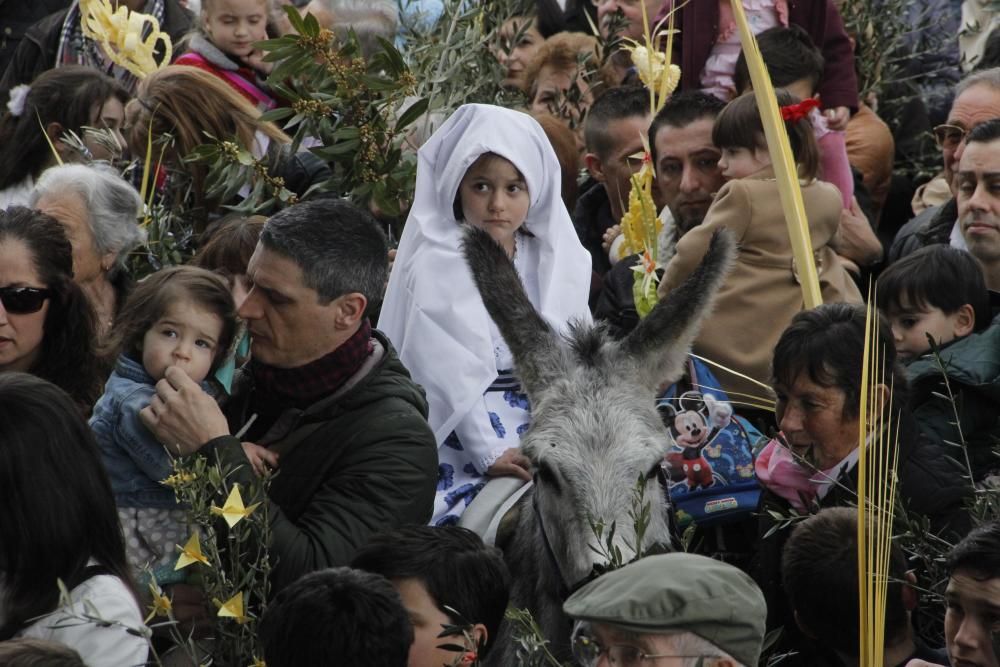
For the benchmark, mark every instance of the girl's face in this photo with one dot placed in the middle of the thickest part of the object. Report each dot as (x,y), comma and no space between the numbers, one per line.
(739,162)
(22,328)
(234,25)
(186,336)
(495,197)
(109,115)
(519,41)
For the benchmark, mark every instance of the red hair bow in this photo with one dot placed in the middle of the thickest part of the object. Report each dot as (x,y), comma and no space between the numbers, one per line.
(796,112)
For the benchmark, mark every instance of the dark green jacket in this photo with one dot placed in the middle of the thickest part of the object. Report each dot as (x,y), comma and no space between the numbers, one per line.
(972,364)
(354,464)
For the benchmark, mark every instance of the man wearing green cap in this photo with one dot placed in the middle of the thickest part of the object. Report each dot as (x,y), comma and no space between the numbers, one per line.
(671,610)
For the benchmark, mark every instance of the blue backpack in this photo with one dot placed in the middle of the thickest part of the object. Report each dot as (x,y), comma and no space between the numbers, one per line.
(709,465)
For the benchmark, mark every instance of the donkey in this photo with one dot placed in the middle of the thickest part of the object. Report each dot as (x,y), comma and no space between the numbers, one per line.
(594,430)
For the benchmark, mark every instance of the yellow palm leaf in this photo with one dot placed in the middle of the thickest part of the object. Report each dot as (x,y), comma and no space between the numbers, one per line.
(785,170)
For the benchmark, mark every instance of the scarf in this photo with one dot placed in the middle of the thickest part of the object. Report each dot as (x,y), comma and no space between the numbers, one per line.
(280,389)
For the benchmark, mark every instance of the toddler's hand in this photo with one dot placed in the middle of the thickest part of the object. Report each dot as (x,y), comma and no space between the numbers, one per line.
(261,458)
(610,234)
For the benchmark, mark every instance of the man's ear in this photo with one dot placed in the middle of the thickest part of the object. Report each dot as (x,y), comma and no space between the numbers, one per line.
(594,166)
(965,320)
(479,637)
(351,309)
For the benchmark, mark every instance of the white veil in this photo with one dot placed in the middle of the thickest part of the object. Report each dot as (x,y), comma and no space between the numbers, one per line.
(433,313)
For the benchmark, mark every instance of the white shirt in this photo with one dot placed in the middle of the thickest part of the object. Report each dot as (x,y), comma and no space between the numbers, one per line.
(106,597)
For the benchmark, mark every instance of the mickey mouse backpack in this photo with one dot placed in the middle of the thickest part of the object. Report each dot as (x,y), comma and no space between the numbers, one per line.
(709,464)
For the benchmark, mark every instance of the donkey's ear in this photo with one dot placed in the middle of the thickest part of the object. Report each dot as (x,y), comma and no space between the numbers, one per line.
(661,342)
(537,351)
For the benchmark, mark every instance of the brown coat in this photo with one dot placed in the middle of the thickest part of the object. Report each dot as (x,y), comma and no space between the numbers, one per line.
(762,293)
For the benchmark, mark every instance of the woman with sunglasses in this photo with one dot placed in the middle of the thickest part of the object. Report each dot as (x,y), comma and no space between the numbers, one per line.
(46,323)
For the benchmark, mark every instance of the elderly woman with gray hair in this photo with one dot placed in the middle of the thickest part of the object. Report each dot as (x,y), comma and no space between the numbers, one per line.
(100,212)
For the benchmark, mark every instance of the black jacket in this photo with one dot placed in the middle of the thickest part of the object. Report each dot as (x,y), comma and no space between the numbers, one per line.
(932,225)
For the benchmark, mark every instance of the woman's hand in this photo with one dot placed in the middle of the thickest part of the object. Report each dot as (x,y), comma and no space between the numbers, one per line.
(513,463)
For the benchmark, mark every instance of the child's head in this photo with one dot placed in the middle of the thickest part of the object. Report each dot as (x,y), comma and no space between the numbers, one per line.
(25,652)
(937,290)
(441,572)
(228,250)
(739,134)
(493,196)
(234,25)
(792,60)
(181,316)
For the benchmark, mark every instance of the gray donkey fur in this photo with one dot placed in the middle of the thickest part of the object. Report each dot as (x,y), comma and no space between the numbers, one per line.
(594,428)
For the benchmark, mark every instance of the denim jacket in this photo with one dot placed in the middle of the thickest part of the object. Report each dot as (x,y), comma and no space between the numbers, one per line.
(135,461)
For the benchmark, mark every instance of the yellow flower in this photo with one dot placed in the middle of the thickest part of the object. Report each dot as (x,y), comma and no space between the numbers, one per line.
(234,511)
(257,662)
(233,608)
(191,553)
(179,479)
(119,32)
(161,603)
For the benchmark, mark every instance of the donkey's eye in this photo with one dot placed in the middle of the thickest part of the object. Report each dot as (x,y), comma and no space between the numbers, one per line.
(547,476)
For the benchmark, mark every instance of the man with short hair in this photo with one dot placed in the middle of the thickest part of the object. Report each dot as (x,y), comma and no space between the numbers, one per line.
(695,610)
(977,99)
(819,571)
(687,178)
(978,202)
(613,132)
(973,596)
(446,576)
(324,393)
(338,617)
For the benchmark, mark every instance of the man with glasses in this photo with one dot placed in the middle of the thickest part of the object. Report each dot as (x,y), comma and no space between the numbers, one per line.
(671,610)
(977,99)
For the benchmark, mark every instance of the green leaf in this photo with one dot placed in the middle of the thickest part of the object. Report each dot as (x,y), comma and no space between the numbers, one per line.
(412,113)
(274,115)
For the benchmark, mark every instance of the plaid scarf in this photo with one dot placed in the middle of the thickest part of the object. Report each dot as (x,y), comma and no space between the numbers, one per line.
(278,389)
(77,49)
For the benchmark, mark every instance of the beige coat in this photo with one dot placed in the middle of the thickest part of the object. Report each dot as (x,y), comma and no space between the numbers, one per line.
(762,293)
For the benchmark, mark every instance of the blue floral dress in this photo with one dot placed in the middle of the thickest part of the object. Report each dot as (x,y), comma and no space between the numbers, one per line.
(494,426)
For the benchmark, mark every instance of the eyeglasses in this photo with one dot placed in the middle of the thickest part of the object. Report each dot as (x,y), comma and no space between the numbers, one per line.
(949,136)
(23,300)
(588,652)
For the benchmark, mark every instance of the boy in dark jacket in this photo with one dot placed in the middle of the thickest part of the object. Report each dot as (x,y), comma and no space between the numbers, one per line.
(939,293)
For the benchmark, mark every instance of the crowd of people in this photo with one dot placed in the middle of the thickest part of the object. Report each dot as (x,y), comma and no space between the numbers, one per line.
(367,382)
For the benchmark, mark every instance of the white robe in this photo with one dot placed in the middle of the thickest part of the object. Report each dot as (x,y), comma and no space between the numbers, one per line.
(433,313)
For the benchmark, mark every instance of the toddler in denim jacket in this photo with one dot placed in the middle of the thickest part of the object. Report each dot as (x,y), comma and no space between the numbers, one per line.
(181,316)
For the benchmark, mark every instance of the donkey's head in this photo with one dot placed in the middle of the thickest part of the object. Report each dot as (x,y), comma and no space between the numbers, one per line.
(595,430)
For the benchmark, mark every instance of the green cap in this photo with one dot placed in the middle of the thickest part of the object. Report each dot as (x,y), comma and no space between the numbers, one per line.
(679,592)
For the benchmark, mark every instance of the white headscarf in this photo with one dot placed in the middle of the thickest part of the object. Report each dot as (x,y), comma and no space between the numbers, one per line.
(433,313)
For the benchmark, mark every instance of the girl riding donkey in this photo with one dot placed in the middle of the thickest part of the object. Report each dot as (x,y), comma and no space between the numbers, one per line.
(494,169)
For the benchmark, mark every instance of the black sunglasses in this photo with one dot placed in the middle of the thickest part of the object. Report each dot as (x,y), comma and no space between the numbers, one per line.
(23,300)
